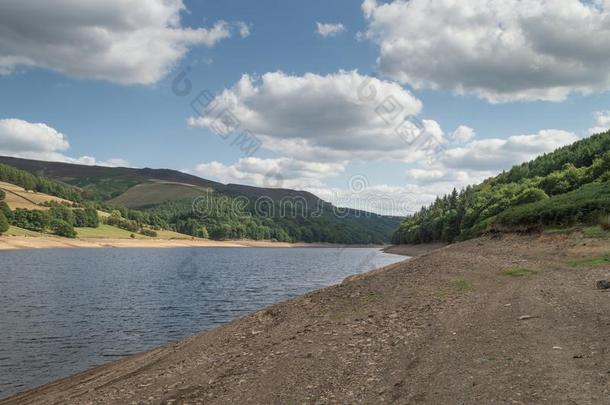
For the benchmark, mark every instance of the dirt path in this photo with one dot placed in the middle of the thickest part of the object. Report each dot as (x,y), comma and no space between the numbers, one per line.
(442,328)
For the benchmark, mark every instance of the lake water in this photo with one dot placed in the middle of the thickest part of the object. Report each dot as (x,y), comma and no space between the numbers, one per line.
(66,310)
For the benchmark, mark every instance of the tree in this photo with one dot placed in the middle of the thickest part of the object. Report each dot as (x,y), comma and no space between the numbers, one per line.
(63,228)
(33,220)
(3,223)
(62,213)
(5,209)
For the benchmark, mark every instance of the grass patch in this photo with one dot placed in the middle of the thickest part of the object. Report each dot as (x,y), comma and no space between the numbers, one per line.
(595,232)
(519,272)
(107,231)
(14,231)
(461,284)
(562,231)
(591,261)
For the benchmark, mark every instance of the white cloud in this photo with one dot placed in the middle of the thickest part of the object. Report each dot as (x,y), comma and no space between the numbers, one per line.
(463,134)
(498,154)
(498,50)
(274,173)
(18,135)
(243,28)
(335,117)
(602,122)
(326,30)
(19,138)
(127,42)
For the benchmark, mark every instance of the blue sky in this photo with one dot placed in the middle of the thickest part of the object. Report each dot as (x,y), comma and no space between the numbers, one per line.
(123,107)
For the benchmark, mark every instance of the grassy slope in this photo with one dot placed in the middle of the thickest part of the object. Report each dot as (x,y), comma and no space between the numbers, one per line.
(17,197)
(157,192)
(103,232)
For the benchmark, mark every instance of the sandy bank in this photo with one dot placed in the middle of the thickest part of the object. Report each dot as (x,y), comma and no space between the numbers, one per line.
(51,242)
(449,326)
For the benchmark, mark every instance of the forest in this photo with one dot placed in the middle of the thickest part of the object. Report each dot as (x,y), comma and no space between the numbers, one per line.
(568,186)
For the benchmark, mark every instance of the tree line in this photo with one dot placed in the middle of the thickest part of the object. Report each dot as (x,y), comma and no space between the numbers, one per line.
(563,187)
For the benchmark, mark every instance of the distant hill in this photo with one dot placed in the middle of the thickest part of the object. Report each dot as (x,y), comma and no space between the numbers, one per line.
(231,211)
(568,186)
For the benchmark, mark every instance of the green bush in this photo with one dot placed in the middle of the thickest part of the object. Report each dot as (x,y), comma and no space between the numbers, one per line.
(34,220)
(530,195)
(63,228)
(3,223)
(2,195)
(5,209)
(149,232)
(86,218)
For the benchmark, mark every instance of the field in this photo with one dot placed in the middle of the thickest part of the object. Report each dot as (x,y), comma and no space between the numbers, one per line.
(157,192)
(107,231)
(14,231)
(17,197)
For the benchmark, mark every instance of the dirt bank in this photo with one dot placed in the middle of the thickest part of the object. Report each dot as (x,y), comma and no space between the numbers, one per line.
(450,326)
(51,242)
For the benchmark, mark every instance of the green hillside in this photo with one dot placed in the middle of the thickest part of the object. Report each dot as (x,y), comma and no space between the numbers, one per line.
(161,199)
(568,186)
(153,193)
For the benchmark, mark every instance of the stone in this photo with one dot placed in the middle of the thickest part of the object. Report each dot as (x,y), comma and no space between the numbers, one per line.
(603,285)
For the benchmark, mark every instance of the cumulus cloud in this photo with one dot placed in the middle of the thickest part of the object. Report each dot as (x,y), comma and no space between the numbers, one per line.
(326,30)
(274,173)
(463,134)
(602,122)
(335,117)
(498,154)
(456,167)
(135,42)
(19,138)
(498,50)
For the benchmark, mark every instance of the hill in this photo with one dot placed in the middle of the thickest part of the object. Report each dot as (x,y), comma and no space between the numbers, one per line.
(568,186)
(19,198)
(169,199)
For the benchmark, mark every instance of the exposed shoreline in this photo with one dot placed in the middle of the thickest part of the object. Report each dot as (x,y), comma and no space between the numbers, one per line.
(448,326)
(52,242)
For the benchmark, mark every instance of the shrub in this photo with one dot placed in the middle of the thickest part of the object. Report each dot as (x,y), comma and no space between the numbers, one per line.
(604,222)
(5,209)
(2,195)
(530,195)
(148,232)
(3,223)
(62,228)
(34,220)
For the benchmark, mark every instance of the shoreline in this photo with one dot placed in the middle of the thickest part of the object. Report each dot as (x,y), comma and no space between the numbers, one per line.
(448,326)
(8,243)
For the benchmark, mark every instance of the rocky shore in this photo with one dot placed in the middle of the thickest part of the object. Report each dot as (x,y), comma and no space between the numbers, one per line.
(503,320)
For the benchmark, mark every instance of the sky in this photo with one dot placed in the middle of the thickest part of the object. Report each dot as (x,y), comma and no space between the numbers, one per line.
(378,105)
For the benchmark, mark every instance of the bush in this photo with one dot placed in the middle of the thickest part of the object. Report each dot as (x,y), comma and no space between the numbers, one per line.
(34,220)
(2,195)
(604,222)
(86,218)
(62,213)
(148,232)
(530,195)
(4,208)
(3,223)
(62,228)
